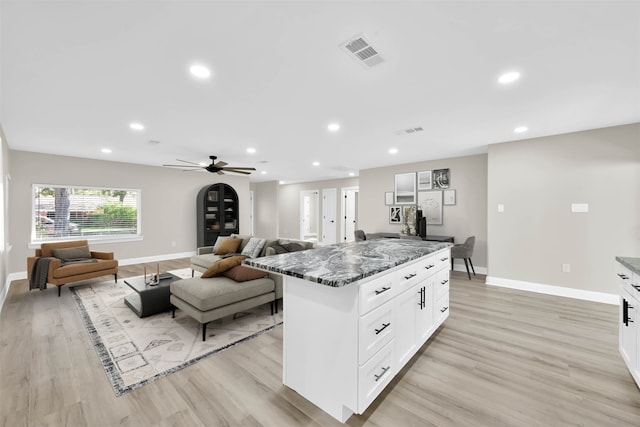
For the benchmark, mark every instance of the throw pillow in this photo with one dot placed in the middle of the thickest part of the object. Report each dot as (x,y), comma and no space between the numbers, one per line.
(240,273)
(228,246)
(72,253)
(253,248)
(220,266)
(219,240)
(287,247)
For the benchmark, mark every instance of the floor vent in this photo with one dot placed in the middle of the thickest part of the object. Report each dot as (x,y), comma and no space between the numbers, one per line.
(409,131)
(361,49)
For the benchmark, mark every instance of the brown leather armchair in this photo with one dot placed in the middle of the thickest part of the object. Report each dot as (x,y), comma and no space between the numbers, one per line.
(62,270)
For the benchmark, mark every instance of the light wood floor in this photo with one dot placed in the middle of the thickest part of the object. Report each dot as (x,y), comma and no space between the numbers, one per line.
(503,358)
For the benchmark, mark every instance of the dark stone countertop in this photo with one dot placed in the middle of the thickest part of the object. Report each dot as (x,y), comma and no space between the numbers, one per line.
(632,264)
(341,264)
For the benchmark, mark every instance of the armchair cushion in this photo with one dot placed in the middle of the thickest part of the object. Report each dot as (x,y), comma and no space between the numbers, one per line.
(76,252)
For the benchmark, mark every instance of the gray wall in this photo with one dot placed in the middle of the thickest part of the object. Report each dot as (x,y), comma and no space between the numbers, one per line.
(265,206)
(468,176)
(168,201)
(289,204)
(537,180)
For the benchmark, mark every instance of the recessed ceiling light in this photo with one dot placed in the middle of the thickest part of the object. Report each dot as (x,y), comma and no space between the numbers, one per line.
(333,127)
(352,174)
(263,172)
(280,182)
(509,77)
(251,150)
(521,129)
(203,164)
(393,151)
(136,126)
(200,71)
(106,150)
(316,163)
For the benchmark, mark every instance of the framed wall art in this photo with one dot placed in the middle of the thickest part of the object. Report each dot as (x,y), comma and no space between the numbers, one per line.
(388,198)
(405,189)
(430,203)
(449,197)
(424,181)
(395,215)
(441,178)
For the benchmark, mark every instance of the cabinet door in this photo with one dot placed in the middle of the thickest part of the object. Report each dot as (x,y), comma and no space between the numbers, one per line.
(406,311)
(627,330)
(424,311)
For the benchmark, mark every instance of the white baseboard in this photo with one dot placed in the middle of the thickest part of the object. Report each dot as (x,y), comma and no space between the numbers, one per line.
(21,275)
(461,267)
(560,291)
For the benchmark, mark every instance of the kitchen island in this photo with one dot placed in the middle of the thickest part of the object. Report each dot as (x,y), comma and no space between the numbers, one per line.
(355,314)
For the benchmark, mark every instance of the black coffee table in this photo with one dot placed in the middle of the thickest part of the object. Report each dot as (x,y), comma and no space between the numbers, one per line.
(147,299)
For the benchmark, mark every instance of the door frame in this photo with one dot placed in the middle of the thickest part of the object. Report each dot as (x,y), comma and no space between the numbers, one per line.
(317,213)
(343,210)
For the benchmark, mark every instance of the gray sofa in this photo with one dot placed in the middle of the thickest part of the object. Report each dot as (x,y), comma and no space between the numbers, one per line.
(208,299)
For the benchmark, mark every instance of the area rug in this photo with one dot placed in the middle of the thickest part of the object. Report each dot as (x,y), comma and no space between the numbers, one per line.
(136,351)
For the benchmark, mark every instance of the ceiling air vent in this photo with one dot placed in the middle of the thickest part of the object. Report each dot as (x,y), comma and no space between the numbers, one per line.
(360,49)
(408,131)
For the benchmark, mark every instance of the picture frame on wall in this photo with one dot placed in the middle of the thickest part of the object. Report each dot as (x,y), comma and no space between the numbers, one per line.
(424,181)
(395,215)
(388,198)
(430,203)
(441,179)
(449,197)
(405,189)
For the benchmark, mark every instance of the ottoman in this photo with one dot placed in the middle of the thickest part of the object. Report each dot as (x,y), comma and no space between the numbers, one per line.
(216,297)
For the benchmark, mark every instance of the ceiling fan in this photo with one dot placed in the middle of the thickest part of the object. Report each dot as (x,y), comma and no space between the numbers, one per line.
(214,167)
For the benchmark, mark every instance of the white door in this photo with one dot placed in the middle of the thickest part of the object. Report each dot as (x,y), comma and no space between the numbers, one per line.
(329,223)
(309,212)
(349,213)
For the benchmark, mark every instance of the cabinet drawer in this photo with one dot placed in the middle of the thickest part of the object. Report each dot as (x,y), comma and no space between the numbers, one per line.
(443,259)
(375,329)
(428,266)
(442,309)
(375,375)
(408,276)
(442,283)
(376,292)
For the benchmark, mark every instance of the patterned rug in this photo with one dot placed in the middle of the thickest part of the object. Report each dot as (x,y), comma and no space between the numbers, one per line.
(136,351)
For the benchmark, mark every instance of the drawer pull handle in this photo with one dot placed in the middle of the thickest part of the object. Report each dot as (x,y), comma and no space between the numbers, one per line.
(384,371)
(384,326)
(443,259)
(444,282)
(622,276)
(384,289)
(444,309)
(429,266)
(411,276)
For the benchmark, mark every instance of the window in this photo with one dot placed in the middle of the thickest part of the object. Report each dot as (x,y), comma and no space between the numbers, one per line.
(60,212)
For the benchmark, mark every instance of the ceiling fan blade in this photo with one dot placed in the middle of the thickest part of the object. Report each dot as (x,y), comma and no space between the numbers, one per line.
(187,161)
(182,166)
(236,171)
(220,164)
(220,172)
(237,168)
(192,170)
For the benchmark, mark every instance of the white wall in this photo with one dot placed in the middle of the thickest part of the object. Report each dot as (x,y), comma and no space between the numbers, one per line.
(4,215)
(168,201)
(265,203)
(468,217)
(537,180)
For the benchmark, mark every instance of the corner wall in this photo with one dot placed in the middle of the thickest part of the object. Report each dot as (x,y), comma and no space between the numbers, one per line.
(5,247)
(468,217)
(537,180)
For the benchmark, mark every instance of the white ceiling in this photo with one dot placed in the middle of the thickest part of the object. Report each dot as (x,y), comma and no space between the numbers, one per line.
(75,74)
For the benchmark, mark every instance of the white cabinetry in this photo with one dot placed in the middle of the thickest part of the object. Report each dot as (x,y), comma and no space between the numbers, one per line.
(343,345)
(629,342)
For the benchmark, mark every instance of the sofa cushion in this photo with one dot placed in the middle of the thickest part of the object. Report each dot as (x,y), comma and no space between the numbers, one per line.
(205,260)
(245,239)
(69,270)
(76,252)
(241,273)
(253,247)
(208,294)
(46,249)
(267,244)
(284,248)
(219,240)
(222,265)
(228,246)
